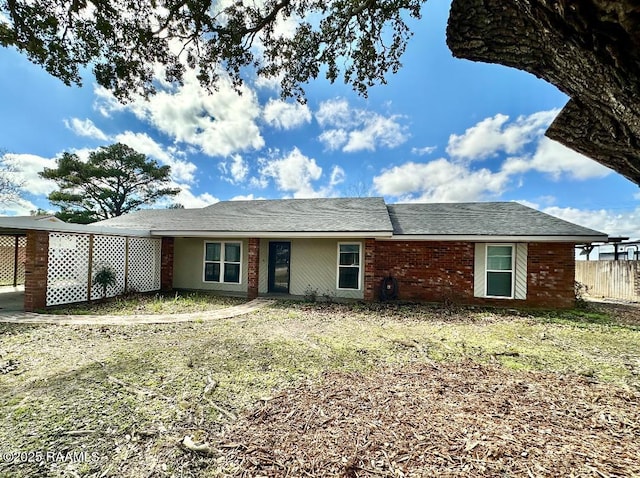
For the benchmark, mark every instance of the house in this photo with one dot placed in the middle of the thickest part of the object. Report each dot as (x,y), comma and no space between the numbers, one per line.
(494,253)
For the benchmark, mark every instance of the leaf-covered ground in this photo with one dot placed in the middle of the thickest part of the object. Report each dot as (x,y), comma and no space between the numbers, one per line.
(327,390)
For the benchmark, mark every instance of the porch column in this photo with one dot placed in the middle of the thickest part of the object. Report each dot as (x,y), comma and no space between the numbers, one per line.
(35,270)
(254,268)
(166,264)
(369,269)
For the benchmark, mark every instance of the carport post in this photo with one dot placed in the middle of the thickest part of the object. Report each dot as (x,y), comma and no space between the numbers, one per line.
(35,270)
(16,244)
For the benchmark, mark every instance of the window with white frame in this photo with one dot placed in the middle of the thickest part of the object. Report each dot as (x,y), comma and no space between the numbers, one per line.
(222,261)
(349,266)
(499,270)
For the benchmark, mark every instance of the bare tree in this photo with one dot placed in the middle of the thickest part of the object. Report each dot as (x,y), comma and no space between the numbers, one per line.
(10,184)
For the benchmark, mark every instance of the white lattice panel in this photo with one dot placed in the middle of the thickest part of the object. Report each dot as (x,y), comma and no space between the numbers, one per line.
(68,269)
(8,266)
(109,251)
(144,264)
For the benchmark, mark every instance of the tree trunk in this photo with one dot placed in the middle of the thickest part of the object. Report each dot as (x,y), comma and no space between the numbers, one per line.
(589,49)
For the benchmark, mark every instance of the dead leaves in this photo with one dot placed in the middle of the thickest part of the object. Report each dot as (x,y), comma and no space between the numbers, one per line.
(459,419)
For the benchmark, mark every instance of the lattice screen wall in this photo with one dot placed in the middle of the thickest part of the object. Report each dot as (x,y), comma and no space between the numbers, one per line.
(135,260)
(109,251)
(144,264)
(11,270)
(68,268)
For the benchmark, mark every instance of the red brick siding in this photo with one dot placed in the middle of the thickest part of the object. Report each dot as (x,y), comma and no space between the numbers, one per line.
(429,271)
(370,269)
(438,271)
(166,263)
(551,270)
(35,270)
(254,267)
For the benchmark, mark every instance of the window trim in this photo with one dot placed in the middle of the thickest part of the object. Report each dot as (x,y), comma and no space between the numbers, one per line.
(359,244)
(512,271)
(222,262)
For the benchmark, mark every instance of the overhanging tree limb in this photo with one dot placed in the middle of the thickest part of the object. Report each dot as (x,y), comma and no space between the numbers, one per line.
(590,50)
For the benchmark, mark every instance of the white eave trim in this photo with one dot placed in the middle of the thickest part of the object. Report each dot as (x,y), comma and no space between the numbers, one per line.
(278,235)
(55,226)
(486,238)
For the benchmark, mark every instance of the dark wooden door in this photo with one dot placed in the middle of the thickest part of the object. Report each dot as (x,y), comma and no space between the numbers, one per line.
(279,257)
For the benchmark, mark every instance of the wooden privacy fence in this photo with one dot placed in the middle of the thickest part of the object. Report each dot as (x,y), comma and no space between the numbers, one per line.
(611,279)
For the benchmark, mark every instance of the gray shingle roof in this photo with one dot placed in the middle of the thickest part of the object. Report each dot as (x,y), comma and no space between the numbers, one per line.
(480,219)
(356,215)
(334,215)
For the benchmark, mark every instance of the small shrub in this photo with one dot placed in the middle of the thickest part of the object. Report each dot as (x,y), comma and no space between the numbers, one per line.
(329,296)
(310,294)
(580,290)
(104,277)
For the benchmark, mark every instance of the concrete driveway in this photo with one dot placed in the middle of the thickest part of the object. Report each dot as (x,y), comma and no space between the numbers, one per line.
(11,299)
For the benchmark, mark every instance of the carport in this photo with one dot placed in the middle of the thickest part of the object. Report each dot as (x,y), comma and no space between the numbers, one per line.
(11,299)
(46,262)
(13,247)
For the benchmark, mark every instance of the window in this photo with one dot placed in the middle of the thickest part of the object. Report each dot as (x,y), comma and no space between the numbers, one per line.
(349,266)
(499,271)
(222,262)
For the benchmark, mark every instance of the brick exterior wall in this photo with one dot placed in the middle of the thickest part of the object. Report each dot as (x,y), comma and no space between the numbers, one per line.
(35,273)
(254,268)
(551,271)
(439,271)
(427,271)
(166,263)
(370,292)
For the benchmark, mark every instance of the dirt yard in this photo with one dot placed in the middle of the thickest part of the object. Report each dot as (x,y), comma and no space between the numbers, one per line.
(327,390)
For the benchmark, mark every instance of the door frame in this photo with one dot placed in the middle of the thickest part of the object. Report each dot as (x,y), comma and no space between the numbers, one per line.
(271,268)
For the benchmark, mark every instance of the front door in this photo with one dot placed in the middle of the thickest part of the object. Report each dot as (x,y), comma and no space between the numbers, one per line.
(279,255)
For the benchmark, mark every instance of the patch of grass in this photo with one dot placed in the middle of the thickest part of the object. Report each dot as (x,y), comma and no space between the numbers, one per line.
(131,393)
(159,303)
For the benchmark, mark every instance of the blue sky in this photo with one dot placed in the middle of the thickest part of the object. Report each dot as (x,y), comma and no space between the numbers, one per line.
(441,130)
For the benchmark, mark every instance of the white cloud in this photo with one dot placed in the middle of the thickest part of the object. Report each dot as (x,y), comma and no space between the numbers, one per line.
(190,200)
(352,129)
(245,197)
(237,168)
(271,83)
(493,135)
(556,160)
(376,131)
(336,113)
(293,173)
(85,128)
(614,223)
(219,123)
(337,176)
(105,103)
(181,170)
(27,167)
(333,138)
(439,181)
(21,207)
(286,115)
(424,150)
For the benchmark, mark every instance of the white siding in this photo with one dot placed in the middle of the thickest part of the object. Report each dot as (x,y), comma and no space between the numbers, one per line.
(520,291)
(313,265)
(188,266)
(479,275)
